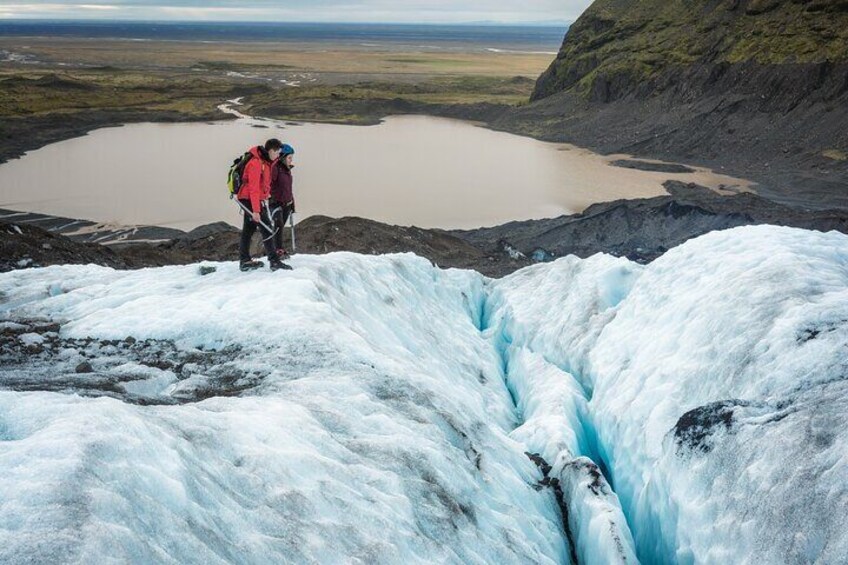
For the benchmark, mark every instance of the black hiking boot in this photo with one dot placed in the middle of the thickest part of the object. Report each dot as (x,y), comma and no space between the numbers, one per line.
(250,265)
(276,265)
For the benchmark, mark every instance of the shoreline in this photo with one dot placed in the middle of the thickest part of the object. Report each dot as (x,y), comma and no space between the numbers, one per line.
(472,114)
(638,229)
(58,129)
(653,172)
(349,84)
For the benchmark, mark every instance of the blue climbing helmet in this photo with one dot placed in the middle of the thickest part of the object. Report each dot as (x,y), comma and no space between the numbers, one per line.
(286,149)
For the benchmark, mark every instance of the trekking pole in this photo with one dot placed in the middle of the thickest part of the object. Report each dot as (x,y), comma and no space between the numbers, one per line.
(294,245)
(261,223)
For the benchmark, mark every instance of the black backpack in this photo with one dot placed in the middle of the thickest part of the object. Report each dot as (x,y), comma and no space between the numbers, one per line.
(236,173)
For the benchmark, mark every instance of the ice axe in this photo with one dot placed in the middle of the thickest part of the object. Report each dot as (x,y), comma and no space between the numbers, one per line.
(270,230)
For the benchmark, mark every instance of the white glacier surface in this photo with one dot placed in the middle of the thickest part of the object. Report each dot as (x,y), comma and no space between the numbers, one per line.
(378,409)
(377,432)
(716,381)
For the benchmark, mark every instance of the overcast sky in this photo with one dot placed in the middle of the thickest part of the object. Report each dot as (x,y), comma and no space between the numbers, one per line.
(430,11)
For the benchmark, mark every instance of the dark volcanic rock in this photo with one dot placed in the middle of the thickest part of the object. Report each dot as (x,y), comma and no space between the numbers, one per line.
(673,168)
(213,229)
(23,246)
(640,229)
(643,229)
(86,231)
(694,429)
(320,234)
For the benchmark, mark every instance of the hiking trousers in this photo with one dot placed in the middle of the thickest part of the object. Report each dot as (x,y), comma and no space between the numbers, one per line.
(249,227)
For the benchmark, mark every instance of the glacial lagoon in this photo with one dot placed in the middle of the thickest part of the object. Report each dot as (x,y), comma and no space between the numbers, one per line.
(408,170)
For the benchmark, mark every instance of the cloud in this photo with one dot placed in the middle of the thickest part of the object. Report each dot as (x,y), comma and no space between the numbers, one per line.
(435,11)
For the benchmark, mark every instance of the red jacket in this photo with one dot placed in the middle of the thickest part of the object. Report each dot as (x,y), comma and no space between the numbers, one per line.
(256,180)
(281,184)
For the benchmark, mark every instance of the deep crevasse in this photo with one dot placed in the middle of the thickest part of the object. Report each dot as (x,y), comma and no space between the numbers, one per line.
(718,385)
(557,425)
(555,404)
(376,408)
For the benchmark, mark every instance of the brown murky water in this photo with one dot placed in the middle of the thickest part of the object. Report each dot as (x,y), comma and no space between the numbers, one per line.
(410,170)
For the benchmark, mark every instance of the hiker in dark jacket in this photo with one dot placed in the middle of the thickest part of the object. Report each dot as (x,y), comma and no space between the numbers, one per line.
(282,196)
(253,200)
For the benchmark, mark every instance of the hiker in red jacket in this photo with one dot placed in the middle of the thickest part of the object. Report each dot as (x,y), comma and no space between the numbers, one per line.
(282,196)
(253,199)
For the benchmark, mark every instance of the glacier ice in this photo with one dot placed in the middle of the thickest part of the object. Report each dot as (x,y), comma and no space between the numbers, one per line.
(716,387)
(529,314)
(358,439)
(693,410)
(555,409)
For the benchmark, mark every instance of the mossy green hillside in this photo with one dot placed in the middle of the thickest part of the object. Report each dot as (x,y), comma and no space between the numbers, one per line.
(637,39)
(27,93)
(367,102)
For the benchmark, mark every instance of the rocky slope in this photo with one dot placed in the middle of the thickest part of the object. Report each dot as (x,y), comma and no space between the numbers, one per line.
(639,229)
(618,43)
(759,87)
(25,244)
(644,229)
